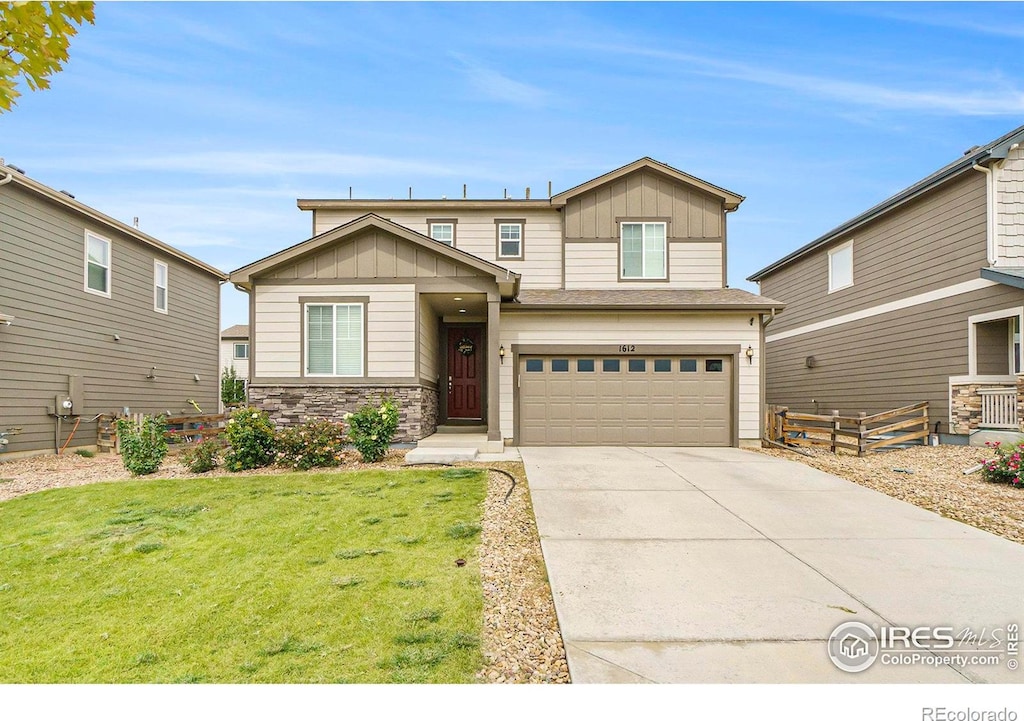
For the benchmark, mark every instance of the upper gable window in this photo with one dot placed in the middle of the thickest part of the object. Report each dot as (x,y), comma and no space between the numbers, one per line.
(840,267)
(97,264)
(159,286)
(443,231)
(510,238)
(644,251)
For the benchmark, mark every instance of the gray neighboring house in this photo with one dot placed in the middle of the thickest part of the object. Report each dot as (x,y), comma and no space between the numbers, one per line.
(95,317)
(234,350)
(920,298)
(599,315)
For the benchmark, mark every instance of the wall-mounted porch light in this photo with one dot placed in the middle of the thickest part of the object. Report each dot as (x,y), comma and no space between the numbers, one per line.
(501,354)
(750,355)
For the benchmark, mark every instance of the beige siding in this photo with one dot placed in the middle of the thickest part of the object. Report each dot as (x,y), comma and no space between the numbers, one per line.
(60,330)
(476,233)
(1010,209)
(691,213)
(993,341)
(596,265)
(882,362)
(227,358)
(637,328)
(429,343)
(391,327)
(930,243)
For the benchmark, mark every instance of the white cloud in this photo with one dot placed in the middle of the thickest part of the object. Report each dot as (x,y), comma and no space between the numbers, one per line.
(499,87)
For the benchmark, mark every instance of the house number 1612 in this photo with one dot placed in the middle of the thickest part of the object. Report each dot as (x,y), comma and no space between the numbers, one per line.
(627,349)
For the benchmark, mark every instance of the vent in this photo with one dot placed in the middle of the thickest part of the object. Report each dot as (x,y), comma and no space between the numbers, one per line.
(16,169)
(67,194)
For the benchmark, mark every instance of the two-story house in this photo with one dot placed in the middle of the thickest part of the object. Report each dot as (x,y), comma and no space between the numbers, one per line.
(234,350)
(599,315)
(920,298)
(95,317)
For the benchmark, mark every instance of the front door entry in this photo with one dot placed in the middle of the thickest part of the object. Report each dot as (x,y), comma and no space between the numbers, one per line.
(465,368)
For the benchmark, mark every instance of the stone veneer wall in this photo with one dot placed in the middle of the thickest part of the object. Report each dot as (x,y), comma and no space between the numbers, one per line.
(290,405)
(966,404)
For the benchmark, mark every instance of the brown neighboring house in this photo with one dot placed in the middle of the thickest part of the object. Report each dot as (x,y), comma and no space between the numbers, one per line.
(95,317)
(920,298)
(596,316)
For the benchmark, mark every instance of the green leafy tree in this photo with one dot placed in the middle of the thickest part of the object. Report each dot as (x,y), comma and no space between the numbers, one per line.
(232,388)
(34,39)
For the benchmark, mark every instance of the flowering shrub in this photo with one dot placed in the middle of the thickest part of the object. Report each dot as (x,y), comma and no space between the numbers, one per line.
(143,446)
(314,444)
(250,435)
(202,457)
(1007,466)
(371,429)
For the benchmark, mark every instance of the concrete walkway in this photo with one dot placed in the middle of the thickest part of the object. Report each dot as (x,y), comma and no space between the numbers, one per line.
(673,565)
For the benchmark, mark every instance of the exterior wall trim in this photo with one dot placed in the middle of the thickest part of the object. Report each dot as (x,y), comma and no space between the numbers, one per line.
(399,381)
(920,299)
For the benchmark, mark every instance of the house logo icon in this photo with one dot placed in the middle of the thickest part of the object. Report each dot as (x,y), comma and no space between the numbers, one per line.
(853,646)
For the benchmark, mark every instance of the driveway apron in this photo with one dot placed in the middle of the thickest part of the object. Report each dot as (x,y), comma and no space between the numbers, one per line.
(706,565)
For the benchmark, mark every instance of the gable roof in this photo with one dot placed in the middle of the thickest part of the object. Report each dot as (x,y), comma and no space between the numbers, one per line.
(980,155)
(243,276)
(730,199)
(71,204)
(235,332)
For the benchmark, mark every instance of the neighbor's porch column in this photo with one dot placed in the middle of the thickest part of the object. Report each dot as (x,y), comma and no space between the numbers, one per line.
(493,369)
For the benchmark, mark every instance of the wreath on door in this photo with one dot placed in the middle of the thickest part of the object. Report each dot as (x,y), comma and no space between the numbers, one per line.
(466,346)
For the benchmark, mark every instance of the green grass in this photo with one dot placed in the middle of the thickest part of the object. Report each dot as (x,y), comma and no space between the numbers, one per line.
(299,578)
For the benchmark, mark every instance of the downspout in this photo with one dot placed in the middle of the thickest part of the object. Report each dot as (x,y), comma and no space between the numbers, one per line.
(990,214)
(763,371)
(9,178)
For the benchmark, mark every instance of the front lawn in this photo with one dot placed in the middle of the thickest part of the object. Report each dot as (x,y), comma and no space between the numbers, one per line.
(299,578)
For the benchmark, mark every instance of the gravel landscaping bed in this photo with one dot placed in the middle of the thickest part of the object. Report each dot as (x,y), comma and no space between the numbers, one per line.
(930,477)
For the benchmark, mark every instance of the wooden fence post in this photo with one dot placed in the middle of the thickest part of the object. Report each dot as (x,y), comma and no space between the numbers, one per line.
(862,440)
(835,430)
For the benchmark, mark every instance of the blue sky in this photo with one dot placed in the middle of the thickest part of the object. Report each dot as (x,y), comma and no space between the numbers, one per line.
(208,120)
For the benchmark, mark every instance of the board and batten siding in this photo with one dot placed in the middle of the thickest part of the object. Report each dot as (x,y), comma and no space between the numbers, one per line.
(691,212)
(930,243)
(643,328)
(1010,209)
(596,265)
(476,233)
(61,330)
(390,327)
(881,362)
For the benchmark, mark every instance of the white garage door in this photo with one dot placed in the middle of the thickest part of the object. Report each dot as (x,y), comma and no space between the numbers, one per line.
(625,400)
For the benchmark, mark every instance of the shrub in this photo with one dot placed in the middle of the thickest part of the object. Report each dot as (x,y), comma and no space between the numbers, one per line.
(250,436)
(202,457)
(371,429)
(232,388)
(84,453)
(1007,466)
(143,446)
(314,444)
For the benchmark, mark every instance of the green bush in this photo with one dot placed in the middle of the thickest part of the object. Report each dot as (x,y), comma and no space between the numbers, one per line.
(84,453)
(143,446)
(251,443)
(371,429)
(1007,466)
(202,457)
(232,388)
(314,444)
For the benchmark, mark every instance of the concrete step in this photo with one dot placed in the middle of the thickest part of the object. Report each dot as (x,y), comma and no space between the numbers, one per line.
(440,455)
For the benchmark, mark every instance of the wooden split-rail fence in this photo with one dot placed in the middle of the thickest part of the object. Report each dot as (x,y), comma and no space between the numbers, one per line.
(179,429)
(861,433)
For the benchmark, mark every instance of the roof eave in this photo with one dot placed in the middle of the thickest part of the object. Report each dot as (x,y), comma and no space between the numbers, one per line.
(696,307)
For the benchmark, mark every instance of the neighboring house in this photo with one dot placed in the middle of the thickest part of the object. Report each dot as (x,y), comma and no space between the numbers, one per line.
(95,317)
(920,298)
(597,316)
(234,350)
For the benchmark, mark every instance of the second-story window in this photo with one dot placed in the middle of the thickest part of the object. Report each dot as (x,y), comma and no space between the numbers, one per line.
(443,231)
(241,351)
(644,251)
(840,267)
(510,238)
(97,264)
(159,286)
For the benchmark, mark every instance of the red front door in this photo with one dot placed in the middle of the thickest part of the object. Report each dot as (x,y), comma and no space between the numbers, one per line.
(465,368)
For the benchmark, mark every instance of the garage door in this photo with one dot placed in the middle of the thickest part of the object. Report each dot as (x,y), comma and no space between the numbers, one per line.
(652,401)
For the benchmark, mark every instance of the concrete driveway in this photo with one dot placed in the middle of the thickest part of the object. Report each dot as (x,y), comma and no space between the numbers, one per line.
(674,565)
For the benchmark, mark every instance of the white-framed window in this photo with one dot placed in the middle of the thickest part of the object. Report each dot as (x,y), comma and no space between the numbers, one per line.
(334,339)
(644,251)
(241,351)
(510,239)
(994,343)
(443,233)
(159,286)
(97,264)
(840,267)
